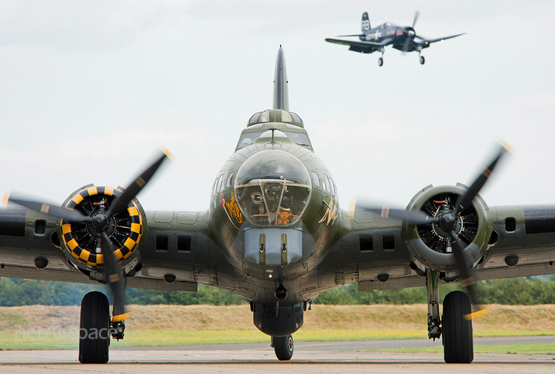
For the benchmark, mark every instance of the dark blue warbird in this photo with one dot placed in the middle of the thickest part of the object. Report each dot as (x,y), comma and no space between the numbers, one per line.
(402,38)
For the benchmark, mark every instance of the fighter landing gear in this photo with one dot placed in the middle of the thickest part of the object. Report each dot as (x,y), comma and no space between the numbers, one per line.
(283,346)
(420,57)
(380,60)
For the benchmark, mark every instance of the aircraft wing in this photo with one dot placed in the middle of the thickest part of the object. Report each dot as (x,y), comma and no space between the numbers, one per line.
(177,252)
(376,255)
(430,41)
(361,46)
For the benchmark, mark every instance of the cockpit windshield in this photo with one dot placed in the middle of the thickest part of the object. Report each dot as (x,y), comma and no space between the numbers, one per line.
(272,188)
(298,138)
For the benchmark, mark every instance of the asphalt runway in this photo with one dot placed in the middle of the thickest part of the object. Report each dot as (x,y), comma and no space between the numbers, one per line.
(310,357)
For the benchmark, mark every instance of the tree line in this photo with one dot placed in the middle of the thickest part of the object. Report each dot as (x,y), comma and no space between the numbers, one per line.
(515,291)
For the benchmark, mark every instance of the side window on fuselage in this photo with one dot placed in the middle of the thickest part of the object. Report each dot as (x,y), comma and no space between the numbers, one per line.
(220,185)
(229,180)
(316,179)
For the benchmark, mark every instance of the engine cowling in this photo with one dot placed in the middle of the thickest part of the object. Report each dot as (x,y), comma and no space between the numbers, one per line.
(80,240)
(431,245)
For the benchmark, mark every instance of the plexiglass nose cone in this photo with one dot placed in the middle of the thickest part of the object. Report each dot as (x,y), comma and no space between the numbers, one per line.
(272,188)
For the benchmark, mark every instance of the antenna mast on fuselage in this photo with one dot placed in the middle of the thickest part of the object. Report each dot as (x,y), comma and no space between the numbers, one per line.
(281,95)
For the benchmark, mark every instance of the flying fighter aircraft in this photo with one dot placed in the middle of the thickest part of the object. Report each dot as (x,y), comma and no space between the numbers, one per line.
(274,234)
(377,38)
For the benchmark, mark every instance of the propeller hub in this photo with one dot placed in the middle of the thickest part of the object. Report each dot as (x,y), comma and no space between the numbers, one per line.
(100,222)
(411,33)
(447,221)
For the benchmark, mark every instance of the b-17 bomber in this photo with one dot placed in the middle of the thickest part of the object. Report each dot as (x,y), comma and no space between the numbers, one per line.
(274,234)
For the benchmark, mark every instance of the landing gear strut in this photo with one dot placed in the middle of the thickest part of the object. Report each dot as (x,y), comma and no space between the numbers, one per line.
(420,57)
(434,322)
(283,346)
(455,330)
(380,60)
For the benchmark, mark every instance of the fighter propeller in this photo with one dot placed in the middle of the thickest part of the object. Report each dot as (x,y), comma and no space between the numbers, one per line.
(410,33)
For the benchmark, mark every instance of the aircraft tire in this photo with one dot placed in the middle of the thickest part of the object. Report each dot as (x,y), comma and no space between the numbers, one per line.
(94,332)
(422,60)
(458,345)
(283,346)
(380,61)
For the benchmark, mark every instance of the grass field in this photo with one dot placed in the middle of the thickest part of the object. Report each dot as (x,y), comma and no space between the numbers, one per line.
(53,327)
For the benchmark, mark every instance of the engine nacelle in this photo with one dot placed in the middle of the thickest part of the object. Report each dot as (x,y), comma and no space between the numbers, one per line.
(430,245)
(80,240)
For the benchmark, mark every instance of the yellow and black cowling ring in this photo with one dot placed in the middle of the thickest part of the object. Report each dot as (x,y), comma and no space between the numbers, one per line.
(80,239)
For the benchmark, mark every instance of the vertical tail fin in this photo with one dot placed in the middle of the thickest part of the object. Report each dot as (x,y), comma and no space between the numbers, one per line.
(365,23)
(281,95)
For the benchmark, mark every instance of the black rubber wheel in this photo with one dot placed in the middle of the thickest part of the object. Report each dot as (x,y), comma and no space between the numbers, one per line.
(283,346)
(422,60)
(94,332)
(458,346)
(380,61)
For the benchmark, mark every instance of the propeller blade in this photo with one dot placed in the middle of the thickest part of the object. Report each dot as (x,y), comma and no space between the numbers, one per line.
(409,216)
(416,15)
(115,276)
(408,40)
(464,200)
(120,203)
(54,211)
(467,280)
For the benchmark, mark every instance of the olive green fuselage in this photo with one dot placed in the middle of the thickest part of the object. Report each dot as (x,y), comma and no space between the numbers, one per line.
(318,223)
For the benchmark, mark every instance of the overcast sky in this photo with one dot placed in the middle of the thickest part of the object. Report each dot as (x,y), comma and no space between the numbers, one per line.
(89,91)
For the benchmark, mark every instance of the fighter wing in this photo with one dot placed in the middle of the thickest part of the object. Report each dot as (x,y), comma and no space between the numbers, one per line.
(426,42)
(361,46)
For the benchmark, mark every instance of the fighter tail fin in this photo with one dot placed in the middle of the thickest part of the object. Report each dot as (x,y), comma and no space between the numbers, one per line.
(365,23)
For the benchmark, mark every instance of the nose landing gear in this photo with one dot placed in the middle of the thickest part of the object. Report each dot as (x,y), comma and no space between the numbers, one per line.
(283,346)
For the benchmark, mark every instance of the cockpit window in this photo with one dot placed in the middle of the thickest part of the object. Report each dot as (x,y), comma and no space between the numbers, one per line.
(298,138)
(329,184)
(272,188)
(229,180)
(316,179)
(220,186)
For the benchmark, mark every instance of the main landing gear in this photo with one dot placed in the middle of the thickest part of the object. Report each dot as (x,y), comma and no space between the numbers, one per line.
(420,57)
(458,346)
(380,60)
(455,330)
(95,329)
(283,346)
(94,338)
